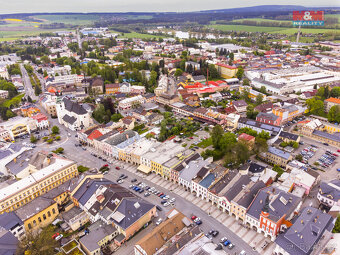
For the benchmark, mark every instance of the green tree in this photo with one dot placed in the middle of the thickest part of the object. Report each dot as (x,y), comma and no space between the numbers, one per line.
(251,113)
(259,99)
(315,106)
(216,135)
(279,170)
(213,73)
(55,130)
(246,82)
(178,72)
(153,78)
(335,92)
(334,114)
(260,145)
(116,117)
(299,157)
(33,139)
(37,90)
(45,59)
(264,135)
(263,90)
(336,228)
(240,72)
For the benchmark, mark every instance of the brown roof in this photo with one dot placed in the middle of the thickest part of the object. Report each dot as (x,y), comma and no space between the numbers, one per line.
(112,85)
(153,241)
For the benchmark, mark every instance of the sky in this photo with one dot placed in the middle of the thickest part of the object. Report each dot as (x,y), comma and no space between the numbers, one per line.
(28,6)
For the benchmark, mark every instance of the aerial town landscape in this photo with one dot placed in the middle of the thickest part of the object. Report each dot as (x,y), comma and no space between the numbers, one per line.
(198,132)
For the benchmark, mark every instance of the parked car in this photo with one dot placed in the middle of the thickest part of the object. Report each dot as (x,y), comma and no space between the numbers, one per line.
(198,222)
(166,204)
(230,246)
(159,208)
(159,221)
(120,181)
(226,243)
(146,194)
(133,180)
(55,235)
(117,167)
(59,237)
(193,217)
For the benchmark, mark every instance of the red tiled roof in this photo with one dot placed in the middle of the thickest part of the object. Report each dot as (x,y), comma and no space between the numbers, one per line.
(226,66)
(333,100)
(245,136)
(95,134)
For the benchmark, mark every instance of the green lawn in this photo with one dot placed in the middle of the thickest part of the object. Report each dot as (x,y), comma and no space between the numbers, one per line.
(205,143)
(14,35)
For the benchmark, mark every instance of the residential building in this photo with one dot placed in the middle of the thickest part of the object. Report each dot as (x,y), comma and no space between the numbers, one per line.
(310,230)
(232,121)
(41,121)
(73,115)
(289,111)
(248,140)
(9,243)
(104,200)
(289,137)
(38,213)
(258,126)
(97,85)
(75,218)
(172,225)
(19,126)
(131,102)
(269,118)
(28,110)
(12,223)
(276,156)
(240,106)
(112,88)
(330,102)
(45,172)
(190,172)
(99,236)
(329,193)
(226,71)
(243,199)
(118,142)
(49,104)
(5,136)
(272,211)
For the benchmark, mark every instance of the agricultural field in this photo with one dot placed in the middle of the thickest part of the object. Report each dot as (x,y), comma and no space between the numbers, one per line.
(75,19)
(17,34)
(277,30)
(136,35)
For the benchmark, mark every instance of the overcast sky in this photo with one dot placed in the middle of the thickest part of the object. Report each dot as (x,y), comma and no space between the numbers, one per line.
(27,6)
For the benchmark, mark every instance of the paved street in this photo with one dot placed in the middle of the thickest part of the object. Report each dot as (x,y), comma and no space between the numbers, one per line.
(29,91)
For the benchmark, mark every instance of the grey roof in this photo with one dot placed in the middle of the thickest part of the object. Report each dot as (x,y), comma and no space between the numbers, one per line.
(256,168)
(21,162)
(10,220)
(223,182)
(8,243)
(289,136)
(120,138)
(91,240)
(271,84)
(276,196)
(279,152)
(69,119)
(133,209)
(265,127)
(334,137)
(240,103)
(88,188)
(35,206)
(270,116)
(306,231)
(208,180)
(73,212)
(191,170)
(5,153)
(108,134)
(74,107)
(329,190)
(249,196)
(237,187)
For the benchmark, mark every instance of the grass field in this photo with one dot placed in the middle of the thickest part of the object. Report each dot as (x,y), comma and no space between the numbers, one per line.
(13,35)
(280,30)
(77,19)
(136,35)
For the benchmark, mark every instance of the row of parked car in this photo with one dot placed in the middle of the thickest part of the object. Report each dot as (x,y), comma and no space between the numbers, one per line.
(327,159)
(308,153)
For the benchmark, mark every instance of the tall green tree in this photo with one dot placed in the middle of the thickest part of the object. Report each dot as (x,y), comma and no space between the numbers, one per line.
(216,135)
(334,114)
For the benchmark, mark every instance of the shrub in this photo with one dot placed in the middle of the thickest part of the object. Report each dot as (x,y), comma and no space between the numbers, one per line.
(49,141)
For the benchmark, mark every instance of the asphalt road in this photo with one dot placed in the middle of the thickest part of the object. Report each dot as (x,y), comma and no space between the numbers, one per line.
(27,83)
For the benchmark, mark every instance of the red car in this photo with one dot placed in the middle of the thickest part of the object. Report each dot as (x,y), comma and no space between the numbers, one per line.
(117,167)
(338,150)
(191,138)
(106,165)
(161,194)
(55,235)
(193,217)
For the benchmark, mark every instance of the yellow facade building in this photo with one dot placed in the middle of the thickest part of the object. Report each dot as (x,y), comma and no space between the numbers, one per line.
(38,213)
(226,71)
(46,172)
